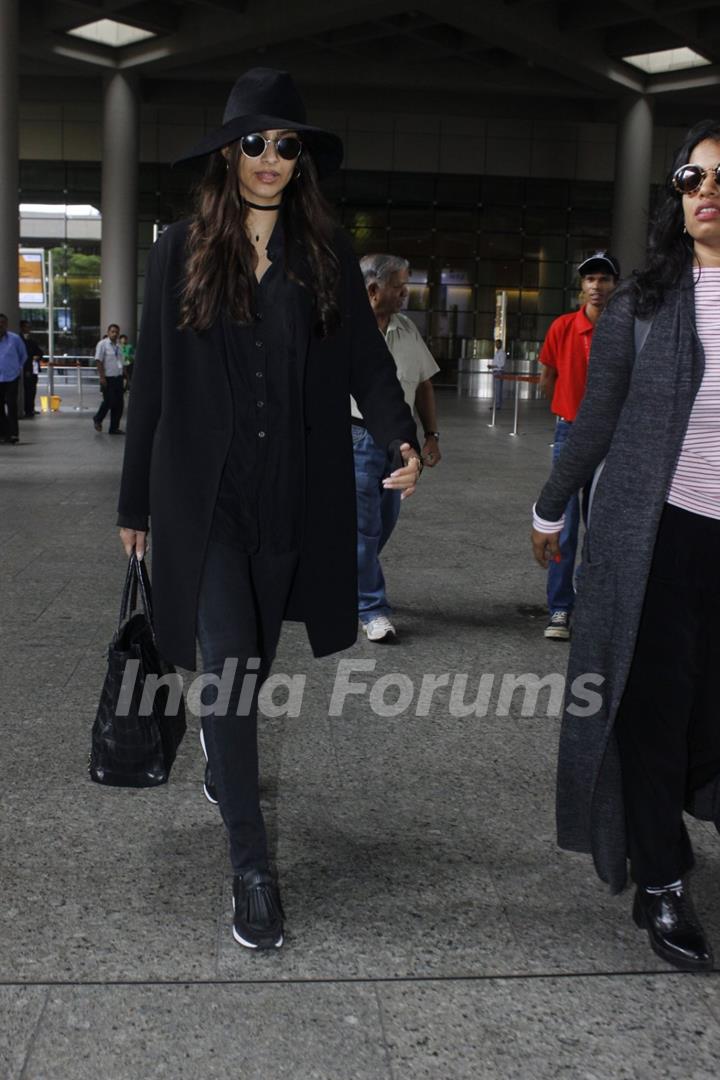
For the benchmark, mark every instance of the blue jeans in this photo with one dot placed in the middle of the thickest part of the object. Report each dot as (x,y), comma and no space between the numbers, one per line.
(560,586)
(377,513)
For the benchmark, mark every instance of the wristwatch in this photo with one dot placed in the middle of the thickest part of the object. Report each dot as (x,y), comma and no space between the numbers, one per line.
(432,434)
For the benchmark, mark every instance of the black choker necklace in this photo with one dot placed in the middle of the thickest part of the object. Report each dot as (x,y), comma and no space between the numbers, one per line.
(256,206)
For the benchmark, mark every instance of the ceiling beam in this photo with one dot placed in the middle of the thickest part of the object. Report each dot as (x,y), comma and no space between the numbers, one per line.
(541,40)
(691,24)
(234,6)
(203,39)
(703,78)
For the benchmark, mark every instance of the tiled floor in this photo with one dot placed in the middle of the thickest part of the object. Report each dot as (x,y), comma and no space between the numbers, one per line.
(433,928)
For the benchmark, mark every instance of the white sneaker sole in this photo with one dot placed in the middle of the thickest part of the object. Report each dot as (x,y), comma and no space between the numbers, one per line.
(557,635)
(251,944)
(387,635)
(208,796)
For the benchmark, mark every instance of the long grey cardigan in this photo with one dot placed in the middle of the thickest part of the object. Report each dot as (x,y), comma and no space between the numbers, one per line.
(634,414)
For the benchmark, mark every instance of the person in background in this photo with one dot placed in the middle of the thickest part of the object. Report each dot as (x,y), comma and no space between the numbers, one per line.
(31,371)
(128,358)
(565,355)
(647,747)
(497,367)
(109,362)
(12,361)
(386,280)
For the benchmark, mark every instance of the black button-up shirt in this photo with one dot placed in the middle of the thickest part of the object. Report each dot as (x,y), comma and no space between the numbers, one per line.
(259,505)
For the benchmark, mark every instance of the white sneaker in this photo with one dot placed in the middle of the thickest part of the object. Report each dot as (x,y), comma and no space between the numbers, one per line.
(379,629)
(558,629)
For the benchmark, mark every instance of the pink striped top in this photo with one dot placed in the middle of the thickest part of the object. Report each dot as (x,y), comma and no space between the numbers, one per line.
(695,485)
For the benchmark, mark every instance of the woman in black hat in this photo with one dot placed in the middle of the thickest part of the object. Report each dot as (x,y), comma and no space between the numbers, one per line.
(256,329)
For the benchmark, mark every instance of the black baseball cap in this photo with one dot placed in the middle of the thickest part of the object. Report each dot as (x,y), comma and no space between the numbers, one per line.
(602,262)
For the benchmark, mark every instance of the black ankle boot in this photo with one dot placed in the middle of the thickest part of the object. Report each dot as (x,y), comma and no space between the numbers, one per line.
(673,927)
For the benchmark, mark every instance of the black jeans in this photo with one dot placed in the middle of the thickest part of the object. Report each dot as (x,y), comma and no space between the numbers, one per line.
(9,409)
(240,611)
(668,724)
(113,401)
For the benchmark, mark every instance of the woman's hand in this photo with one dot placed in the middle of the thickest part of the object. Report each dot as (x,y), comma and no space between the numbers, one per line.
(406,478)
(133,540)
(546,546)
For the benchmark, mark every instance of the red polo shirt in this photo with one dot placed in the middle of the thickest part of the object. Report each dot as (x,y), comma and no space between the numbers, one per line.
(567,349)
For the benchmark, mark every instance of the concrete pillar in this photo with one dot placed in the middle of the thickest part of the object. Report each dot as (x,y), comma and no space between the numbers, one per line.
(9,155)
(118,298)
(633,165)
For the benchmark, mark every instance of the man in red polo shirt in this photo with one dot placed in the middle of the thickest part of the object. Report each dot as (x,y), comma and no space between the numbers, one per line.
(565,355)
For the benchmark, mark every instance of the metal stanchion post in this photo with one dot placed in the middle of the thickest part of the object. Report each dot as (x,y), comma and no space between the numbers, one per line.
(494,401)
(51,327)
(78,368)
(514,431)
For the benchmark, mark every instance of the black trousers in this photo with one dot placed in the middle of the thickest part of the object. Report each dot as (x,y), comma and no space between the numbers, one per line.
(29,390)
(240,610)
(113,401)
(668,724)
(9,409)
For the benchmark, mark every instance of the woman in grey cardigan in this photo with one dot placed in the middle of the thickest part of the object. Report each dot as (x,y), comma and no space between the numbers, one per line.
(647,623)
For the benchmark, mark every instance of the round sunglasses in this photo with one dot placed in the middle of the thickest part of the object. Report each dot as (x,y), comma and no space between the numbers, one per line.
(288,147)
(689,178)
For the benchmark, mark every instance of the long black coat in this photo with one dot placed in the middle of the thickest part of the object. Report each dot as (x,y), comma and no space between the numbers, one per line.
(179,431)
(634,416)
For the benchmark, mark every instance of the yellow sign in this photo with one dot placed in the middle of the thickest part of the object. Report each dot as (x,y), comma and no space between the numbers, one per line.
(31,276)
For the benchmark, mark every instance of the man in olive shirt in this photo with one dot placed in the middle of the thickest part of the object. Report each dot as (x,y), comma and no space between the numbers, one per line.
(386,279)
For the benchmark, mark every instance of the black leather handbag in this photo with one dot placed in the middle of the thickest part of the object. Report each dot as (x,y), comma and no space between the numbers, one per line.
(139,724)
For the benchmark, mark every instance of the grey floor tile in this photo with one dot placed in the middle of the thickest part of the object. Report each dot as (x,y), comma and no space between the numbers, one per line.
(20,1010)
(407,847)
(101,883)
(214,1032)
(626,1027)
(562,916)
(377,887)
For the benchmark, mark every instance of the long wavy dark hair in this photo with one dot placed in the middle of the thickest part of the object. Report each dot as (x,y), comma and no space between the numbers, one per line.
(220,271)
(670,249)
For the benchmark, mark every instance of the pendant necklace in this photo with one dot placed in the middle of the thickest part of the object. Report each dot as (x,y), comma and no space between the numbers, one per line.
(257,206)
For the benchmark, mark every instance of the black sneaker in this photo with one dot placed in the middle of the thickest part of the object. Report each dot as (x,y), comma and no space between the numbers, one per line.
(558,629)
(208,786)
(258,918)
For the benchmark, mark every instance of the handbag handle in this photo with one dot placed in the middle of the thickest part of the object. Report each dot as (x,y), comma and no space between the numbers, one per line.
(143,580)
(126,602)
(136,576)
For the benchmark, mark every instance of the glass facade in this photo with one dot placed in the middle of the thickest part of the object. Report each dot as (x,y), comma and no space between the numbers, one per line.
(465,237)
(469,237)
(75,245)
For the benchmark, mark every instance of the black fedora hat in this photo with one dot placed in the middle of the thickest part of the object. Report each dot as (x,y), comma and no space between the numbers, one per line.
(264,99)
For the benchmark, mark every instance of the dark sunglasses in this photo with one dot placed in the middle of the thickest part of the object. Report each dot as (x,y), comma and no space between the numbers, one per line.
(689,178)
(288,147)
